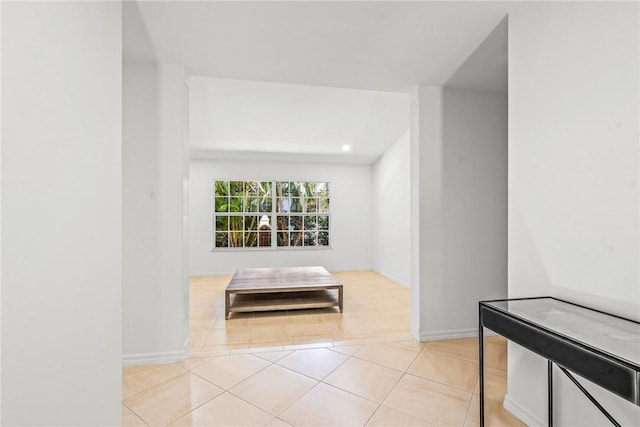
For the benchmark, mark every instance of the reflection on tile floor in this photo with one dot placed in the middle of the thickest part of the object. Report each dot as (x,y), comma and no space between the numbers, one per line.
(317,368)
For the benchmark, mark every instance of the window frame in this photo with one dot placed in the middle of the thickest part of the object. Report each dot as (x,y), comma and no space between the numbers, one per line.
(321,194)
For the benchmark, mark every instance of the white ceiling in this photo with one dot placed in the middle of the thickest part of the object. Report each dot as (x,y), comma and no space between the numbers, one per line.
(247,117)
(367,47)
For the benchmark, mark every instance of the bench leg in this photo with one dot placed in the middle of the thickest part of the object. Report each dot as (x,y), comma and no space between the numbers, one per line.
(340,299)
(227,301)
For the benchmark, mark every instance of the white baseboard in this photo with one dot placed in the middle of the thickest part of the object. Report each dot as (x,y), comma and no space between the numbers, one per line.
(158,357)
(448,335)
(211,274)
(522,413)
(414,330)
(390,277)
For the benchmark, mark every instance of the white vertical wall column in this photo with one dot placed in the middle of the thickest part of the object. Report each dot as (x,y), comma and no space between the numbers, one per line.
(414,214)
(139,208)
(0,225)
(427,244)
(173,317)
(61,221)
(155,178)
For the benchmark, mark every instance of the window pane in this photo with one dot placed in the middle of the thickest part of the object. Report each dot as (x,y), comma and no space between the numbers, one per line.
(310,238)
(251,204)
(265,188)
(283,238)
(265,238)
(295,223)
(221,188)
(323,238)
(284,204)
(323,205)
(310,222)
(236,239)
(222,223)
(252,188)
(295,239)
(322,189)
(265,204)
(282,189)
(236,188)
(294,189)
(251,222)
(235,204)
(309,189)
(283,222)
(222,204)
(236,223)
(311,205)
(264,223)
(251,239)
(296,204)
(222,240)
(323,223)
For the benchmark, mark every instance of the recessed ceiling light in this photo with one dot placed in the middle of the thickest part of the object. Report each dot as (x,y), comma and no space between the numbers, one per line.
(346,148)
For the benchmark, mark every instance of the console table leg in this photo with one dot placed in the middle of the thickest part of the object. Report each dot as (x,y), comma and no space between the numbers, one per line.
(481,368)
(550,390)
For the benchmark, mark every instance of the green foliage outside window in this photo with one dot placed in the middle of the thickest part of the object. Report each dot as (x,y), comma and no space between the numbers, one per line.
(245,211)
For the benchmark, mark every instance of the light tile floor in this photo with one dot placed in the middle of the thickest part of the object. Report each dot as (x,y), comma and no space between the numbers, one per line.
(317,368)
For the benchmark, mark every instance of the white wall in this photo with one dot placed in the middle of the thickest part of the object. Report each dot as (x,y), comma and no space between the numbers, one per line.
(573,180)
(391,212)
(155,266)
(61,226)
(350,222)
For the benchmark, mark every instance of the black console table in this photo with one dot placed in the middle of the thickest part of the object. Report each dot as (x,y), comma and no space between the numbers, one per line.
(603,348)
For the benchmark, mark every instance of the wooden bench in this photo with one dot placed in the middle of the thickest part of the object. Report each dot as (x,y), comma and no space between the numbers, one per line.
(284,288)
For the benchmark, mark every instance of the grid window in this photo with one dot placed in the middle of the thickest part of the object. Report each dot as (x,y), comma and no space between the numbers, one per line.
(261,214)
(302,214)
(241,213)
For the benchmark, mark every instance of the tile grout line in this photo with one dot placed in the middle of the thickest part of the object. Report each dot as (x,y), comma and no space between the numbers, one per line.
(373,414)
(156,385)
(296,372)
(394,387)
(466,417)
(203,403)
(193,409)
(228,390)
(347,391)
(298,399)
(302,373)
(136,414)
